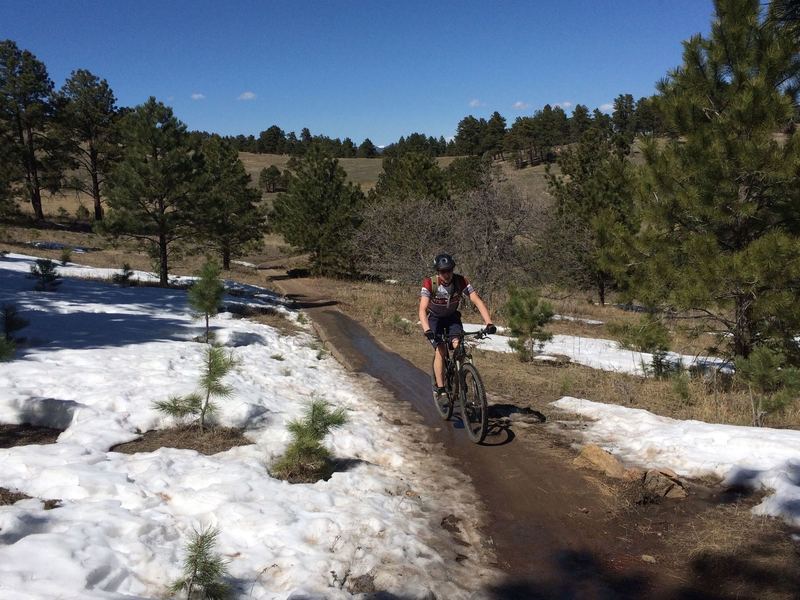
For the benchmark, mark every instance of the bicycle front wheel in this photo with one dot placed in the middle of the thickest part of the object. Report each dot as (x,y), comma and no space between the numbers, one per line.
(474,408)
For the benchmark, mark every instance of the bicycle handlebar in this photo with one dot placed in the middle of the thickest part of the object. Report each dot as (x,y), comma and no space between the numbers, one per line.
(479,335)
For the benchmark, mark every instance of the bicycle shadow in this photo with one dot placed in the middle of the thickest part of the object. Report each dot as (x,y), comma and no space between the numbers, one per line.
(503,416)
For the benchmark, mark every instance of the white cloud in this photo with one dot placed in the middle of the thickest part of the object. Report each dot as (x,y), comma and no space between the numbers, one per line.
(475,103)
(607,107)
(565,104)
(520,105)
(198,96)
(247,96)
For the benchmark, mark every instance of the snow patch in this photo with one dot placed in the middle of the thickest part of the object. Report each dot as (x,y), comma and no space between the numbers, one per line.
(749,456)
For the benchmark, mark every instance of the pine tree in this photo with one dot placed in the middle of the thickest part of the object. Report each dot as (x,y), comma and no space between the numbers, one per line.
(205,296)
(412,175)
(85,119)
(151,189)
(26,109)
(527,314)
(269,179)
(217,365)
(203,569)
(594,190)
(579,122)
(319,211)
(225,215)
(721,225)
(367,149)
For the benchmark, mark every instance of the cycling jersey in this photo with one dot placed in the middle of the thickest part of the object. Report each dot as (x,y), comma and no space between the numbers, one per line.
(445,299)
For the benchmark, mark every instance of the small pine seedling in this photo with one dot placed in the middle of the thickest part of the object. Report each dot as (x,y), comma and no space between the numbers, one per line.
(45,271)
(772,383)
(66,255)
(7,349)
(205,296)
(527,314)
(124,277)
(12,322)
(217,365)
(203,569)
(306,459)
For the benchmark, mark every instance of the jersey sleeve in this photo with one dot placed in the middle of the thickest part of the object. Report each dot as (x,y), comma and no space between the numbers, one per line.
(427,288)
(468,289)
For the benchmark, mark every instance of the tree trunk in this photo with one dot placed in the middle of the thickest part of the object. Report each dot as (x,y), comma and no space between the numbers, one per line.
(226,258)
(163,273)
(31,174)
(601,289)
(742,334)
(98,207)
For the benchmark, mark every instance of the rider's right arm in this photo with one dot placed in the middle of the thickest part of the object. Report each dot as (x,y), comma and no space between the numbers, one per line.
(424,301)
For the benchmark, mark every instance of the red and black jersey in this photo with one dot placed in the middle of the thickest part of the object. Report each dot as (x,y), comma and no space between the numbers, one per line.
(445,299)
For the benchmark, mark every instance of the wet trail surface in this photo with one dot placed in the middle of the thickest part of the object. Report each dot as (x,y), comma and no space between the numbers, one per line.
(547,523)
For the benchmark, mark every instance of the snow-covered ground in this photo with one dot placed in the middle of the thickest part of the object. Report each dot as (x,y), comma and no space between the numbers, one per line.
(598,353)
(747,456)
(98,355)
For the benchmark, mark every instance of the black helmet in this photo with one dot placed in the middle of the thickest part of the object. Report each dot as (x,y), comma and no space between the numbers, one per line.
(444,262)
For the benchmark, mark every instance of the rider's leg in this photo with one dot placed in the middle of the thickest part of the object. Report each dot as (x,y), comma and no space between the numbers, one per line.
(438,365)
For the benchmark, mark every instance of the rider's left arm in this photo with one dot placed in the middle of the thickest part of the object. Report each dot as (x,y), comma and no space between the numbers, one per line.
(481,306)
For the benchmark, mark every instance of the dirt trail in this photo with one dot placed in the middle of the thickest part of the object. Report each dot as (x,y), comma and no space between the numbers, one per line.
(548,521)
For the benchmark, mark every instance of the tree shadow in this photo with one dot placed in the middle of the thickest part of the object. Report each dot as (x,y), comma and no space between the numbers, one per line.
(576,574)
(86,314)
(302,301)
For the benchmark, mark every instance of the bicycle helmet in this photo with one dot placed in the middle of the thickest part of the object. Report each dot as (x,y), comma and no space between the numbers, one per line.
(444,262)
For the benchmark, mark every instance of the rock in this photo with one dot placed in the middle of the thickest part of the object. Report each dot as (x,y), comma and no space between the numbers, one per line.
(594,457)
(659,485)
(633,474)
(649,559)
(669,473)
(676,491)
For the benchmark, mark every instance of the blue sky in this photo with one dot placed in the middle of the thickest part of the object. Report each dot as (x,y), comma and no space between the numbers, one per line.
(360,69)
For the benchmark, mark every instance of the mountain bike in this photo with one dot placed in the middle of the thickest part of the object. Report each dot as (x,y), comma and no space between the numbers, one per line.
(462,380)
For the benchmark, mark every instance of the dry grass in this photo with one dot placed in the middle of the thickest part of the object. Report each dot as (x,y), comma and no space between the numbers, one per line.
(741,555)
(186,437)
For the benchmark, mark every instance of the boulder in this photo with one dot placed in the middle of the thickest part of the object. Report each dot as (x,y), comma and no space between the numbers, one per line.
(657,484)
(594,457)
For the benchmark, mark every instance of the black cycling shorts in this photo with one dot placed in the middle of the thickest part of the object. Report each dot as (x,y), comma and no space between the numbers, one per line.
(451,323)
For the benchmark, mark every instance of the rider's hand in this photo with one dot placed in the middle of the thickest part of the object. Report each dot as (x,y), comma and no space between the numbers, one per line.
(429,334)
(490,328)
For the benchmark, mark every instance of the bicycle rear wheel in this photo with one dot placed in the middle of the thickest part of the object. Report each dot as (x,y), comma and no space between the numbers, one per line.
(474,408)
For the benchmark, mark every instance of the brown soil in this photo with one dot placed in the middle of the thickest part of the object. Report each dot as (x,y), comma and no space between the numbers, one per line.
(24,435)
(559,531)
(211,441)
(10,497)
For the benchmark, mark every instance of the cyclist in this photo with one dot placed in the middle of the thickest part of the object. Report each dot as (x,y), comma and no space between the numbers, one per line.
(439,300)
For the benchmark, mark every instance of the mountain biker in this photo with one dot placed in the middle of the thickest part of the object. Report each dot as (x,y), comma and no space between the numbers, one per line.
(439,300)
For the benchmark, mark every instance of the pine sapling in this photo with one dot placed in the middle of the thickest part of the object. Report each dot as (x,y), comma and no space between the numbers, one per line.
(66,255)
(527,315)
(217,366)
(12,322)
(124,277)
(306,459)
(45,271)
(205,296)
(203,569)
(771,383)
(7,349)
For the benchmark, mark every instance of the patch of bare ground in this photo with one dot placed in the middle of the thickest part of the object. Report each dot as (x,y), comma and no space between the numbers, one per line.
(266,316)
(187,437)
(25,434)
(10,497)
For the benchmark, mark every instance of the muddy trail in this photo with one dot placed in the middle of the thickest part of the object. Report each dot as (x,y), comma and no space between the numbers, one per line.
(552,532)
